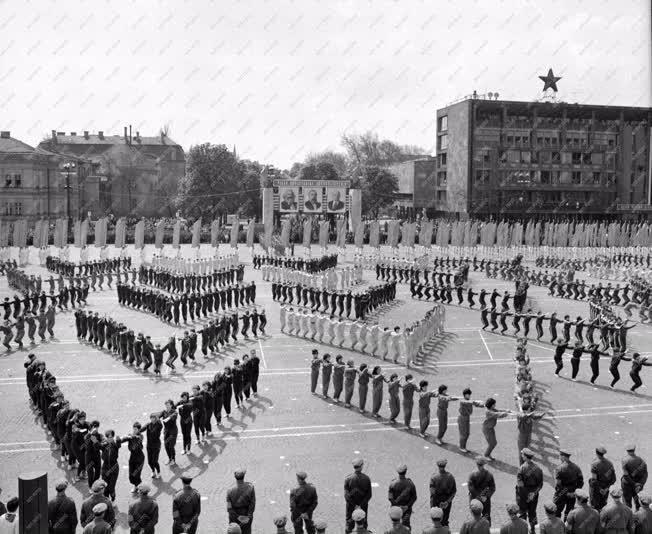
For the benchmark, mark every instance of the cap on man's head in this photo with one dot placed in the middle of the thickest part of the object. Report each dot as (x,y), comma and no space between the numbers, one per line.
(480,460)
(436,513)
(358,462)
(616,493)
(186,480)
(564,452)
(512,509)
(401,469)
(99,508)
(280,520)
(476,506)
(98,486)
(233,528)
(144,488)
(442,462)
(61,485)
(240,472)
(395,513)
(601,450)
(630,447)
(550,508)
(358,515)
(527,453)
(581,495)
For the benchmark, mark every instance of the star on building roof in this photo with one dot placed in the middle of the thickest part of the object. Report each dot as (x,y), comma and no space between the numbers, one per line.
(550,81)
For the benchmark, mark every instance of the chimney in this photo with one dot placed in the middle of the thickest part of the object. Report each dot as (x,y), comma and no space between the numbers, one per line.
(54,136)
(100,134)
(5,135)
(125,135)
(137,137)
(85,134)
(73,134)
(130,138)
(162,137)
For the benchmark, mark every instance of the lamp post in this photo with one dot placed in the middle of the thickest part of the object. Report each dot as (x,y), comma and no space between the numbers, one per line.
(68,169)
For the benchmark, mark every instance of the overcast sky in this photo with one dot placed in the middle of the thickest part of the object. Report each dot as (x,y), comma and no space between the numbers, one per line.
(280,79)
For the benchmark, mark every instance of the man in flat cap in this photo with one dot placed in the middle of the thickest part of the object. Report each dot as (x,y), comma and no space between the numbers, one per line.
(357,494)
(634,476)
(515,524)
(436,515)
(241,502)
(403,494)
(477,524)
(395,515)
(482,486)
(303,501)
(529,481)
(603,476)
(583,519)
(320,526)
(616,518)
(280,522)
(98,525)
(442,490)
(568,478)
(643,516)
(186,507)
(62,512)
(359,518)
(96,497)
(552,524)
(143,513)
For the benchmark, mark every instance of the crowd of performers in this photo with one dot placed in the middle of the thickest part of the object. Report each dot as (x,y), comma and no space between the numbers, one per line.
(195,305)
(28,321)
(183,265)
(617,260)
(178,282)
(331,279)
(335,303)
(398,346)
(84,268)
(7,265)
(93,453)
(138,349)
(310,265)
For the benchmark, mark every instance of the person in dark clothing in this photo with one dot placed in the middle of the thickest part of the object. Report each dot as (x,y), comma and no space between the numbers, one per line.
(185,421)
(238,377)
(357,493)
(153,433)
(62,512)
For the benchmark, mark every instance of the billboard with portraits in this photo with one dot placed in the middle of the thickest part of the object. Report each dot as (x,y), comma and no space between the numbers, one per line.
(288,199)
(312,199)
(336,200)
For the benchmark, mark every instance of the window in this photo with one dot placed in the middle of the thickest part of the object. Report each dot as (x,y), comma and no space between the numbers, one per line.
(525,157)
(441,178)
(443,142)
(597,158)
(545,177)
(534,157)
(576,177)
(610,143)
(510,140)
(566,157)
(596,177)
(586,158)
(18,180)
(443,123)
(611,178)
(577,158)
(8,180)
(513,156)
(556,177)
(481,176)
(556,158)
(442,160)
(441,196)
(19,208)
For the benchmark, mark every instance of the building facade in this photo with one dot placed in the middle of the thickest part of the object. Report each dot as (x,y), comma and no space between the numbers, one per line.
(34,183)
(416,180)
(125,175)
(507,157)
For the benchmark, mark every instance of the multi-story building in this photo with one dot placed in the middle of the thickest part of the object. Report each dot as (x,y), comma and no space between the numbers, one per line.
(130,175)
(33,183)
(507,157)
(416,179)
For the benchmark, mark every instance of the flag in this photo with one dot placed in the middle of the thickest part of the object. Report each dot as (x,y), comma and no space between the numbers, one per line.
(120,232)
(4,233)
(83,232)
(359,235)
(100,232)
(215,233)
(374,234)
(77,233)
(36,237)
(285,232)
(341,233)
(425,237)
(176,233)
(196,232)
(392,234)
(269,232)
(235,229)
(251,227)
(323,234)
(20,233)
(139,234)
(307,232)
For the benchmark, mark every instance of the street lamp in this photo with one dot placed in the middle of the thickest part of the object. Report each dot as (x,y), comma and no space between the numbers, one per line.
(68,169)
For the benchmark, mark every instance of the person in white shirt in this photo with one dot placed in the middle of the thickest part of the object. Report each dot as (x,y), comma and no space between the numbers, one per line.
(9,521)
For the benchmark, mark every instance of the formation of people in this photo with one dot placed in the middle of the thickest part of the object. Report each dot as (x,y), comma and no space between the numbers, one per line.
(84,268)
(179,264)
(397,345)
(194,305)
(180,282)
(309,265)
(335,303)
(331,279)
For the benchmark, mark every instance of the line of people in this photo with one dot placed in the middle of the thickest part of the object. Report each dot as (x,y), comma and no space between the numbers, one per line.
(83,268)
(381,342)
(331,279)
(14,331)
(310,265)
(335,302)
(174,308)
(178,282)
(181,264)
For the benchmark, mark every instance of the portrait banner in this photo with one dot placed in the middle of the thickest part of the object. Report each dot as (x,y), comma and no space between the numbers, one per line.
(341,233)
(288,199)
(336,197)
(312,200)
(4,233)
(77,233)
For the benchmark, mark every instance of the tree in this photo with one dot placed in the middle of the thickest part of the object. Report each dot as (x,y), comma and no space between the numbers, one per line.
(368,150)
(336,160)
(320,171)
(378,187)
(213,184)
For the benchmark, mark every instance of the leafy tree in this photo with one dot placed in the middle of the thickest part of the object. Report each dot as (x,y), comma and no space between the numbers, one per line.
(378,187)
(368,150)
(336,160)
(320,171)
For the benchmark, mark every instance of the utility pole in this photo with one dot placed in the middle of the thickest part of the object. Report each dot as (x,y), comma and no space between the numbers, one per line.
(68,169)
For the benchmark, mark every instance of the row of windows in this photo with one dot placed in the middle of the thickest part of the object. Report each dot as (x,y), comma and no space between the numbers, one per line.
(13,180)
(483,176)
(554,156)
(13,208)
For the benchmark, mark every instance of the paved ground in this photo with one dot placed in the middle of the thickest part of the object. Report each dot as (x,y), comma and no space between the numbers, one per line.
(287,429)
